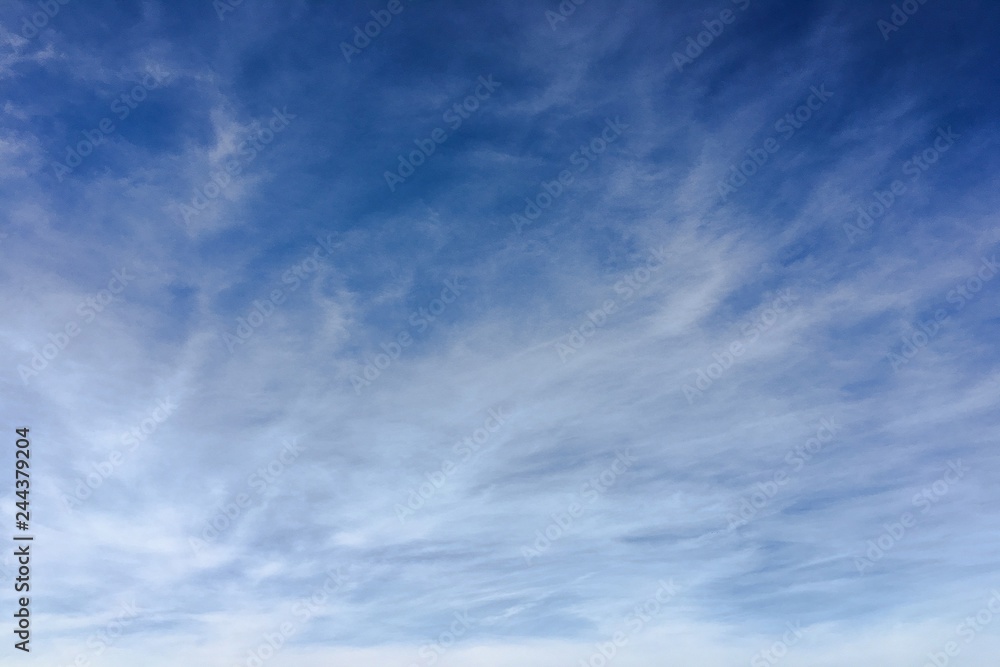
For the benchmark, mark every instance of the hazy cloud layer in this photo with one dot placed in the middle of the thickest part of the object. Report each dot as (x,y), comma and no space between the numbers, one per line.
(621,354)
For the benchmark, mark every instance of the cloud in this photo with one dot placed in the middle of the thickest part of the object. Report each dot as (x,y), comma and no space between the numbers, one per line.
(759,301)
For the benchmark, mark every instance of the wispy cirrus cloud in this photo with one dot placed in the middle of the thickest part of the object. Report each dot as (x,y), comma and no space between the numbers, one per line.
(705,307)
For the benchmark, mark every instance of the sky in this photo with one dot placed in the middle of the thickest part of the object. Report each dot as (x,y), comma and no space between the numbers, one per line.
(466,333)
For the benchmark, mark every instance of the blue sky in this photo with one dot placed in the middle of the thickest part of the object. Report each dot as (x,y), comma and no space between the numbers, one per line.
(461,344)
